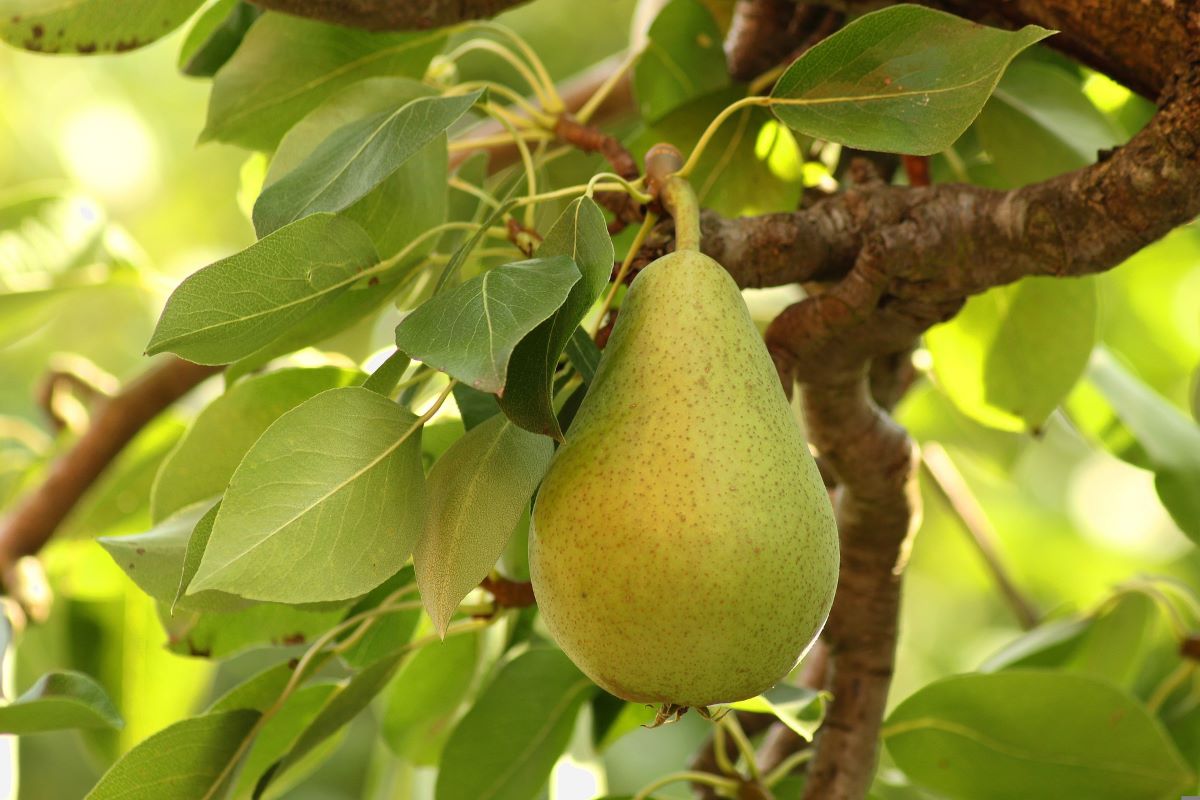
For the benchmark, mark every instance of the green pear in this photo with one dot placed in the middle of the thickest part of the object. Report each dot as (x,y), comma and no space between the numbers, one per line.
(683,549)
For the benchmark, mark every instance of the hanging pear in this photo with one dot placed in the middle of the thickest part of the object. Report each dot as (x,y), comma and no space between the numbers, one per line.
(683,549)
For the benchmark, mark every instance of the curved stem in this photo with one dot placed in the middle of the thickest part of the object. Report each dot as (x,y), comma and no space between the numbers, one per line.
(473,190)
(631,187)
(711,130)
(706,778)
(487,45)
(437,230)
(553,102)
(522,148)
(605,89)
(1169,684)
(786,766)
(543,119)
(730,723)
(679,199)
(721,754)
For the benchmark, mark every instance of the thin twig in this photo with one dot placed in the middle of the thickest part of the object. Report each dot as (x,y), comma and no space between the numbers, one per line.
(115,422)
(954,490)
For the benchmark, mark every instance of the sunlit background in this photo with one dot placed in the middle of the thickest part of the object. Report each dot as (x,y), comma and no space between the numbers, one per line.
(116,135)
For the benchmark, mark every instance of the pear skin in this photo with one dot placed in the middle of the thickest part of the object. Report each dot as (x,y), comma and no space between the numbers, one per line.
(683,549)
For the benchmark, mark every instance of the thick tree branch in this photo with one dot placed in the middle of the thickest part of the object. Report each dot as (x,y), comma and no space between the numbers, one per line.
(876,509)
(914,254)
(385,15)
(114,423)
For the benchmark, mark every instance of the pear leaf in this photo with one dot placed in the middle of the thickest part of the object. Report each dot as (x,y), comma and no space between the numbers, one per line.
(478,491)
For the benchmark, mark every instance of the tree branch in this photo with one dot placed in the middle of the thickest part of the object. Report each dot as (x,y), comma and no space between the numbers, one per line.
(917,253)
(384,15)
(115,422)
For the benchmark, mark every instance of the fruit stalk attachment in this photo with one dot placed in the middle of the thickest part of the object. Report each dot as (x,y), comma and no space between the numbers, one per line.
(675,194)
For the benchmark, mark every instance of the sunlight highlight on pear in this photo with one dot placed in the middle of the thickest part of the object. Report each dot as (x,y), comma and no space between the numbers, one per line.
(683,548)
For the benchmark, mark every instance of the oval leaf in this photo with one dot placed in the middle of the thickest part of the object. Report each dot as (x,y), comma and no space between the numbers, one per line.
(412,200)
(157,560)
(987,361)
(470,331)
(1039,124)
(60,701)
(90,26)
(187,761)
(325,506)
(1169,439)
(286,66)
(356,158)
(426,694)
(478,491)
(340,707)
(1028,733)
(582,235)
(215,36)
(231,308)
(904,79)
(203,461)
(683,59)
(507,743)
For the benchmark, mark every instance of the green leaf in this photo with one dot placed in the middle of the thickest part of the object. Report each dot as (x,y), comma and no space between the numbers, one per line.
(1048,645)
(385,377)
(799,708)
(1017,733)
(474,406)
(470,331)
(261,690)
(505,746)
(341,706)
(389,632)
(356,158)
(231,308)
(327,319)
(411,200)
(584,354)
(478,491)
(581,234)
(202,463)
(215,36)
(155,560)
(1038,124)
(187,761)
(426,694)
(218,635)
(90,26)
(47,235)
(1169,439)
(193,554)
(904,79)
(286,66)
(1013,353)
(60,701)
(325,506)
(280,733)
(682,60)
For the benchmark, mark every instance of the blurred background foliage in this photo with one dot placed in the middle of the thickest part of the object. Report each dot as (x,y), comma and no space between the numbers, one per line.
(106,203)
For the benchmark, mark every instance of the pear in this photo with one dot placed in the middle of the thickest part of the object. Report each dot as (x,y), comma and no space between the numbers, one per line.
(683,549)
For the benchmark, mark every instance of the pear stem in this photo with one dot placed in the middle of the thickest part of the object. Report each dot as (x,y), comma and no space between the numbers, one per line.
(675,194)
(679,198)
